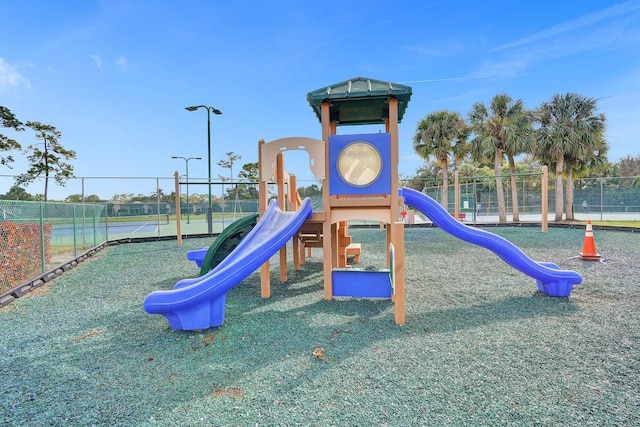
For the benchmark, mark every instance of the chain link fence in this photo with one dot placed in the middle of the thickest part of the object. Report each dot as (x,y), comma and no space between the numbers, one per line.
(37,236)
(601,199)
(607,197)
(478,195)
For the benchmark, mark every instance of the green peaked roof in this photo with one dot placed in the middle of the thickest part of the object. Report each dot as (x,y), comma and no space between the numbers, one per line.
(360,101)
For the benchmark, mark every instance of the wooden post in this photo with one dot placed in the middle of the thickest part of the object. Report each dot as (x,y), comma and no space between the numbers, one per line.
(178,222)
(263,198)
(292,188)
(396,227)
(398,259)
(283,207)
(391,126)
(395,157)
(545,199)
(327,253)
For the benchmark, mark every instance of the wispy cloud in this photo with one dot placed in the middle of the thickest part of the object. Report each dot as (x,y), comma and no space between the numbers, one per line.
(446,79)
(97,59)
(10,77)
(339,38)
(585,33)
(442,49)
(568,38)
(506,68)
(122,63)
(583,21)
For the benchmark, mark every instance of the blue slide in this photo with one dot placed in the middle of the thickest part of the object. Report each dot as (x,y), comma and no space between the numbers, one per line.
(549,277)
(199,303)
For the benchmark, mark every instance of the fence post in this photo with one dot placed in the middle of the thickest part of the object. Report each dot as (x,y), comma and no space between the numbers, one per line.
(106,223)
(456,194)
(178,222)
(95,224)
(601,197)
(75,232)
(42,242)
(545,199)
(158,205)
(475,198)
(524,195)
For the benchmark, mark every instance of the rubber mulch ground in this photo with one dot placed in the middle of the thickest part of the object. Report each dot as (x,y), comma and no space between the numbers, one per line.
(481,346)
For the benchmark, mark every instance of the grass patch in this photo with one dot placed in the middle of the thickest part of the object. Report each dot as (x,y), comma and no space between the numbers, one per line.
(617,223)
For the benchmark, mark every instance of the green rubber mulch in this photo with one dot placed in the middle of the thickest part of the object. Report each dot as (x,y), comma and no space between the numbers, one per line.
(481,345)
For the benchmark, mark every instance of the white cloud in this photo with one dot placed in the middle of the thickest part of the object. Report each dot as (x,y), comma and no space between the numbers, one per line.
(10,77)
(565,39)
(506,68)
(433,51)
(584,20)
(122,62)
(97,59)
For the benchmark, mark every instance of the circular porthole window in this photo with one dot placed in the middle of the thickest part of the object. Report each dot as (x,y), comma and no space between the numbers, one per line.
(359,164)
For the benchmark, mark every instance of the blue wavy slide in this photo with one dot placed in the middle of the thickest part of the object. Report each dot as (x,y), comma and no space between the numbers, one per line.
(550,279)
(199,303)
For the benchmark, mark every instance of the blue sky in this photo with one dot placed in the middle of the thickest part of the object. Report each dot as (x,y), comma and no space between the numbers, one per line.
(114,76)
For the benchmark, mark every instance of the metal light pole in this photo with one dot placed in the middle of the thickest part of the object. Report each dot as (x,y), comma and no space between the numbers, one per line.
(186,160)
(209,111)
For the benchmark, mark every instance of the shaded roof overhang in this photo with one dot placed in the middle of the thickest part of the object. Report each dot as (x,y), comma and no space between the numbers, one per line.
(360,101)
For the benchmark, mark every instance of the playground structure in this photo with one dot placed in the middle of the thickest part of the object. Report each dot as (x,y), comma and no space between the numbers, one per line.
(311,234)
(359,177)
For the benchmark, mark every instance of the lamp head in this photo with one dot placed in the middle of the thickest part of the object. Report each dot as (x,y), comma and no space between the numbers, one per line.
(196,107)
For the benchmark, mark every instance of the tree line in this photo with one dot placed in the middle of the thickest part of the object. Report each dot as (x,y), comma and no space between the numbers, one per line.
(243,185)
(567,134)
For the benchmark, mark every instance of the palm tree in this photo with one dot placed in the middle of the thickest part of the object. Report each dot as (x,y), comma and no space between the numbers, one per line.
(521,143)
(571,132)
(441,134)
(503,129)
(591,157)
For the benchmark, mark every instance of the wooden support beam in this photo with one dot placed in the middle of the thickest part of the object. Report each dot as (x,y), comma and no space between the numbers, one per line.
(398,269)
(263,190)
(327,248)
(282,205)
(294,198)
(395,156)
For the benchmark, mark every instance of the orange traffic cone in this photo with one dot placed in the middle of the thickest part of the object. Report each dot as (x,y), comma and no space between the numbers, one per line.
(589,248)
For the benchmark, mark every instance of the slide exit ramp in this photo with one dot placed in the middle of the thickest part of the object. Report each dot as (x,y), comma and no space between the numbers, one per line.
(550,279)
(200,303)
